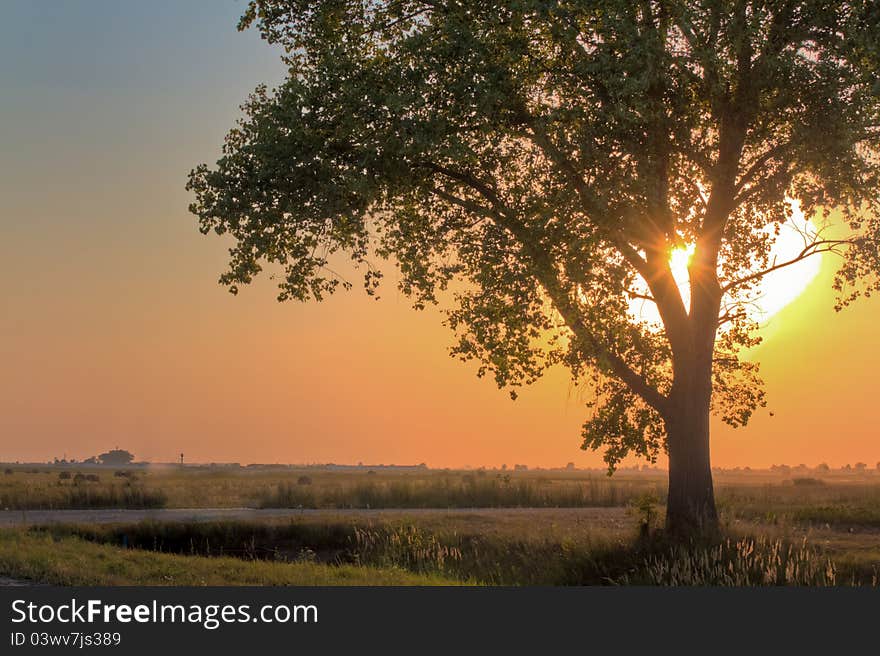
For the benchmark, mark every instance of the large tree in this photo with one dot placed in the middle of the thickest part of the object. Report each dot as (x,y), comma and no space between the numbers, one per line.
(551,154)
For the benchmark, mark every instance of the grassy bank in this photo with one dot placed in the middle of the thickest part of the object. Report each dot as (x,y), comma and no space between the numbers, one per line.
(501,557)
(69,560)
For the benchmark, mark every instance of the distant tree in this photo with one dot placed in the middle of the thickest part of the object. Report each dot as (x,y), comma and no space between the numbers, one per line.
(823,467)
(115,457)
(552,156)
(860,466)
(570,466)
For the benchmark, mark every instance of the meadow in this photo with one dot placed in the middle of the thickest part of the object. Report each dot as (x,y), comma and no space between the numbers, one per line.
(54,487)
(550,527)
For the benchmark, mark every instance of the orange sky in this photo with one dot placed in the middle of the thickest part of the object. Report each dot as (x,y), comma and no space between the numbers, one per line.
(113,330)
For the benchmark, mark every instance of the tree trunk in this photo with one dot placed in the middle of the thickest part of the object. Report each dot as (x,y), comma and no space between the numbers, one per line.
(690,507)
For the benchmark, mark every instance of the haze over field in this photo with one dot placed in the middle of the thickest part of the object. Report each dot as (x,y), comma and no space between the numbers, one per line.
(114,330)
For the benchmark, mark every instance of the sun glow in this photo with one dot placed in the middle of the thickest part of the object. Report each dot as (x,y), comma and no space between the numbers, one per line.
(776,290)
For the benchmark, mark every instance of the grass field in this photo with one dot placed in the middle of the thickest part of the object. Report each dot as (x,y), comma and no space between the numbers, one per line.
(530,551)
(69,560)
(743,495)
(27,487)
(778,529)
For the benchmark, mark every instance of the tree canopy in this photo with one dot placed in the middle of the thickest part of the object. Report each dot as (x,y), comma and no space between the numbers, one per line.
(550,155)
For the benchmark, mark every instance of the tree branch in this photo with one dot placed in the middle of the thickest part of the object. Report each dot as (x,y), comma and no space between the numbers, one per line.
(548,279)
(759,163)
(816,247)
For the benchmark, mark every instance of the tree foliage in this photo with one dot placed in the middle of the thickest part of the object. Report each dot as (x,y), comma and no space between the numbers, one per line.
(550,155)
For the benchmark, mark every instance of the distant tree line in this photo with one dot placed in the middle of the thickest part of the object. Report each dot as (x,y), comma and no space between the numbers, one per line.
(112,457)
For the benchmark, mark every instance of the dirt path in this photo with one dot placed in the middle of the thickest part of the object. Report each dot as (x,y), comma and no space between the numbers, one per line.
(11,518)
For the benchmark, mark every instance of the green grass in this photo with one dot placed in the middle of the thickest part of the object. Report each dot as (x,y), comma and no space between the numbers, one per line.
(520,555)
(841,516)
(841,505)
(292,553)
(42,557)
(512,555)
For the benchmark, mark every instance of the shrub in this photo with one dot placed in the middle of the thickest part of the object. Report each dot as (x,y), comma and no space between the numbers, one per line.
(63,476)
(807,481)
(644,507)
(304,480)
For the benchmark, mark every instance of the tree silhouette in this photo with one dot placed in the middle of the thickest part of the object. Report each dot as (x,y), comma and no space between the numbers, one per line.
(551,156)
(116,457)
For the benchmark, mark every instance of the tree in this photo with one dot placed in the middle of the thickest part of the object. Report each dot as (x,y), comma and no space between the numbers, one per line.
(116,457)
(550,156)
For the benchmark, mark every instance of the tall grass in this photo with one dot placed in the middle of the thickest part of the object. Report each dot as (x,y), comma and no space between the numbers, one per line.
(407,547)
(745,562)
(458,492)
(207,487)
(85,495)
(840,504)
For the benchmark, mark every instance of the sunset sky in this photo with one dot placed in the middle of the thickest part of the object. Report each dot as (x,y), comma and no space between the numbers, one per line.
(114,331)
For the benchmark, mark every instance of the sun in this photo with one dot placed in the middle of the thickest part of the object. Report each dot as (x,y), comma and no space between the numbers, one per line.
(776,290)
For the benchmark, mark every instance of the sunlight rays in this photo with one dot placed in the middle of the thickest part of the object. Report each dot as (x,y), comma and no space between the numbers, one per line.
(775,291)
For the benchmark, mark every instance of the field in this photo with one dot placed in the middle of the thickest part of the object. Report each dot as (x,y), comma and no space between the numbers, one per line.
(47,487)
(549,527)
(42,557)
